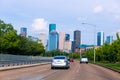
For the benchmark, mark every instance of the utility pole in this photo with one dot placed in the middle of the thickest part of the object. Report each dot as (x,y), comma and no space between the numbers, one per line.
(94,37)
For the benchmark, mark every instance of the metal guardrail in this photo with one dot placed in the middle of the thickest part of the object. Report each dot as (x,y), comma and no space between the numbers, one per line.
(14,60)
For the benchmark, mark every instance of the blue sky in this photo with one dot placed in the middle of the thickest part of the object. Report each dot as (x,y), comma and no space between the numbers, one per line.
(66,14)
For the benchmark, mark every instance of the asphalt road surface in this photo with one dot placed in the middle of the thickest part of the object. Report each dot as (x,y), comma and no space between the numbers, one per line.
(76,72)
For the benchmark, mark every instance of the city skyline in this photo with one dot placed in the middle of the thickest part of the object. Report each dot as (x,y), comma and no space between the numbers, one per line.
(62,40)
(68,15)
(52,27)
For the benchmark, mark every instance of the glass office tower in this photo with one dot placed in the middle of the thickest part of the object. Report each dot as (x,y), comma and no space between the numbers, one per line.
(67,37)
(23,31)
(109,39)
(53,40)
(100,38)
(77,39)
(52,27)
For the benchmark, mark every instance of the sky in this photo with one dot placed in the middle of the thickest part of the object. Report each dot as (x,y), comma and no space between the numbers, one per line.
(68,15)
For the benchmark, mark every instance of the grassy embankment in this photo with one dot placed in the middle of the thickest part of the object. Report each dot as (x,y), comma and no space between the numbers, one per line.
(115,66)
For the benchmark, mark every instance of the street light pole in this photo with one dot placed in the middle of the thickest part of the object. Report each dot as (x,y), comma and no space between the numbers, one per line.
(94,37)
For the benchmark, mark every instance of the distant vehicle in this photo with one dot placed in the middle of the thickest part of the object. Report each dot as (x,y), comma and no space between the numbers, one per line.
(71,59)
(60,62)
(84,59)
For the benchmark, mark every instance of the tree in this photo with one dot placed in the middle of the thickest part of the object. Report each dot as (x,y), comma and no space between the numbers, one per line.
(117,35)
(7,37)
(11,43)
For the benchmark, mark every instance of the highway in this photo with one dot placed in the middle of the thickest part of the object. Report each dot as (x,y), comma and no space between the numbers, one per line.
(76,72)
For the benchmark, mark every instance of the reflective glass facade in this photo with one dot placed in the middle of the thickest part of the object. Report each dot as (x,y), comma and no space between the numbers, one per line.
(52,27)
(100,38)
(53,40)
(109,39)
(67,37)
(23,32)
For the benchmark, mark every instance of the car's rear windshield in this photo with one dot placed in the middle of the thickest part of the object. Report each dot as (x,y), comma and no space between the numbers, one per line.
(59,57)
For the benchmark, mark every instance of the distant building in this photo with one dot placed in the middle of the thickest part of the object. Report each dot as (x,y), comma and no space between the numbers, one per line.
(73,46)
(52,43)
(68,46)
(23,31)
(77,39)
(67,37)
(109,39)
(42,39)
(61,40)
(100,38)
(53,40)
(52,27)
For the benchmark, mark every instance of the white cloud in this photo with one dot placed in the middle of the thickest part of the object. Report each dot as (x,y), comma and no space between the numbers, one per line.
(98,9)
(39,25)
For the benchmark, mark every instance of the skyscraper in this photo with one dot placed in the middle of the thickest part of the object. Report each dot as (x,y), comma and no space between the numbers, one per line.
(73,46)
(109,39)
(100,38)
(52,27)
(53,40)
(67,37)
(61,40)
(68,46)
(23,31)
(77,38)
(43,38)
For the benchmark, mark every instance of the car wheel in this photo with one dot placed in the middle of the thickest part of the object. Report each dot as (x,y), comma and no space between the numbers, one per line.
(68,67)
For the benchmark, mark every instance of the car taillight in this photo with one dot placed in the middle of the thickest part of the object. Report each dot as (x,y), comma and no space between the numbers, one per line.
(65,60)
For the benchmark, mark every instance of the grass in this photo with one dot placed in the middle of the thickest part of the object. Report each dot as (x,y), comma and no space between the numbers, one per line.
(111,65)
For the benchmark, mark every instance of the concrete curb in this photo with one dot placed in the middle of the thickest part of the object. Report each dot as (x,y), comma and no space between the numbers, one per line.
(22,66)
(108,67)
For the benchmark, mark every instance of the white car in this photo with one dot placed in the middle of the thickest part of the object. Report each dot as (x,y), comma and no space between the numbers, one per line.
(60,62)
(83,59)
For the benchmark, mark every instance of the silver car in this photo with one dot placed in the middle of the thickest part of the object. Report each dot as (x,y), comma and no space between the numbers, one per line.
(60,62)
